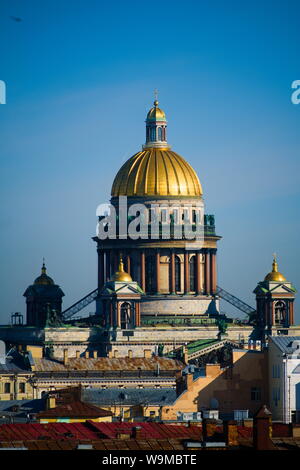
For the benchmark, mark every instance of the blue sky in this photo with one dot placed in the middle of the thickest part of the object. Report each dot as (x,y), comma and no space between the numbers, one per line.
(80,77)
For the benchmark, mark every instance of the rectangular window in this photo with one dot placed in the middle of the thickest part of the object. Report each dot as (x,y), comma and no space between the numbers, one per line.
(22,387)
(276,371)
(276,395)
(7,387)
(255,394)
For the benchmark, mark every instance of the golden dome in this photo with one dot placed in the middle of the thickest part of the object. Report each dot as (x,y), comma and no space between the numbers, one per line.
(121,275)
(275,275)
(155,113)
(44,279)
(156,172)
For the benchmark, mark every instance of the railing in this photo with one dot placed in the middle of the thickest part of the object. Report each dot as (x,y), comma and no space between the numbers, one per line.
(106,374)
(156,321)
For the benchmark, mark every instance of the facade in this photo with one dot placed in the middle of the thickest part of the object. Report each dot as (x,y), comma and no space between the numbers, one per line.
(284,378)
(15,377)
(29,375)
(243,385)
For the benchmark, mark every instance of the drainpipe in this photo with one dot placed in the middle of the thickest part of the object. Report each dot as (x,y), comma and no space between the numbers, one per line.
(289,399)
(284,398)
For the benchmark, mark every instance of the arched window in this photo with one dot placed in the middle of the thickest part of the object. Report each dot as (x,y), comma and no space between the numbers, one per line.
(279,312)
(160,134)
(150,273)
(126,316)
(192,268)
(177,274)
(153,134)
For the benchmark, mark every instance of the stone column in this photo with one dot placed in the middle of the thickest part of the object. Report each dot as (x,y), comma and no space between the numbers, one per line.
(143,271)
(100,268)
(111,316)
(107,265)
(128,265)
(137,314)
(116,261)
(198,273)
(291,315)
(207,272)
(157,271)
(172,272)
(186,273)
(272,313)
(118,315)
(213,265)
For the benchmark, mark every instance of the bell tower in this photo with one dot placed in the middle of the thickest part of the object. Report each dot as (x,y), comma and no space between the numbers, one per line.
(119,301)
(275,302)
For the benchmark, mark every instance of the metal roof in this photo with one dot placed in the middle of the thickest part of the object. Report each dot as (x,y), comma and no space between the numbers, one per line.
(284,343)
(25,406)
(128,396)
(106,363)
(14,362)
(75,409)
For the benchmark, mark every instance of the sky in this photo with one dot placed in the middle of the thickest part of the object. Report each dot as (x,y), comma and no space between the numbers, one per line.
(80,78)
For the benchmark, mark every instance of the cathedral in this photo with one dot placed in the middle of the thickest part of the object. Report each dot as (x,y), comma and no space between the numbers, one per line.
(154,293)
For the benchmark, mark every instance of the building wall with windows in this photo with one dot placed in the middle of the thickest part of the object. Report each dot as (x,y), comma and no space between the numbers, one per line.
(284,378)
(243,386)
(15,386)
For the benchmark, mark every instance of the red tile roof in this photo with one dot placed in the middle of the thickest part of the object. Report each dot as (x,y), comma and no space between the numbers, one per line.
(93,430)
(148,430)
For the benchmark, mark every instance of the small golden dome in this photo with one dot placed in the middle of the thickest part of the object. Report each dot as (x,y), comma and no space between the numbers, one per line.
(156,172)
(44,279)
(155,113)
(275,275)
(121,275)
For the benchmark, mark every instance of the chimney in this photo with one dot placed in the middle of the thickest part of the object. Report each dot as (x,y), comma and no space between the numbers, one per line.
(86,354)
(189,381)
(230,433)
(51,402)
(136,432)
(185,354)
(95,354)
(65,357)
(180,384)
(208,428)
(77,354)
(123,435)
(262,429)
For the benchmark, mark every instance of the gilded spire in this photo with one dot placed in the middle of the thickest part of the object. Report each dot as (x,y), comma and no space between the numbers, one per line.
(274,264)
(275,275)
(43,278)
(43,267)
(121,275)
